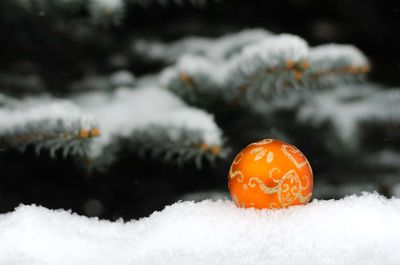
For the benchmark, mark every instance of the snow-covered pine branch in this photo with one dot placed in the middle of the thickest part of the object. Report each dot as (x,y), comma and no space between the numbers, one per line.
(337,232)
(46,123)
(262,68)
(253,71)
(153,121)
(195,79)
(349,108)
(145,120)
(216,49)
(333,64)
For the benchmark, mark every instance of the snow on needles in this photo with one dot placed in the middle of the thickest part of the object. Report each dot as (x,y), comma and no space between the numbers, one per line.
(355,230)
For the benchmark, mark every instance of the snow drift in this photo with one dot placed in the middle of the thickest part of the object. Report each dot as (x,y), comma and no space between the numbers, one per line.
(355,230)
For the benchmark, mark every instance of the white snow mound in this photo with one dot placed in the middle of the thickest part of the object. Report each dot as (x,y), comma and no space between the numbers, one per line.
(355,230)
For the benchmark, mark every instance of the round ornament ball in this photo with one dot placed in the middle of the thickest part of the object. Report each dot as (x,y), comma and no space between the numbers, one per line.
(270,174)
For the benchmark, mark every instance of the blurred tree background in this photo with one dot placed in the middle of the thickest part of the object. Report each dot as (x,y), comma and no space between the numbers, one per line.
(52,47)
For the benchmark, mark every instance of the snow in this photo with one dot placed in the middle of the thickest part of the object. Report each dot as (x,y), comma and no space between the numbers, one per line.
(354,230)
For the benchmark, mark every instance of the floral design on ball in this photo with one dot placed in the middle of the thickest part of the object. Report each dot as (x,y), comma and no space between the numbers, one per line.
(270,174)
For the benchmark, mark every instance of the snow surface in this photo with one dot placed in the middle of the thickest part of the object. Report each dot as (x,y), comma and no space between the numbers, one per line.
(355,230)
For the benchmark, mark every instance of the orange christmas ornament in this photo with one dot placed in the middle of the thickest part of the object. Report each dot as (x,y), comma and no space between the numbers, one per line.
(270,174)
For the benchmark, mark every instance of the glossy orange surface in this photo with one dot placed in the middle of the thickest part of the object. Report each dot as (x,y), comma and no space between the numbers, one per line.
(270,174)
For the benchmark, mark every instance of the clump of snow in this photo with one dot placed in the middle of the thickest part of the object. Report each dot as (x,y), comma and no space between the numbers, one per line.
(355,230)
